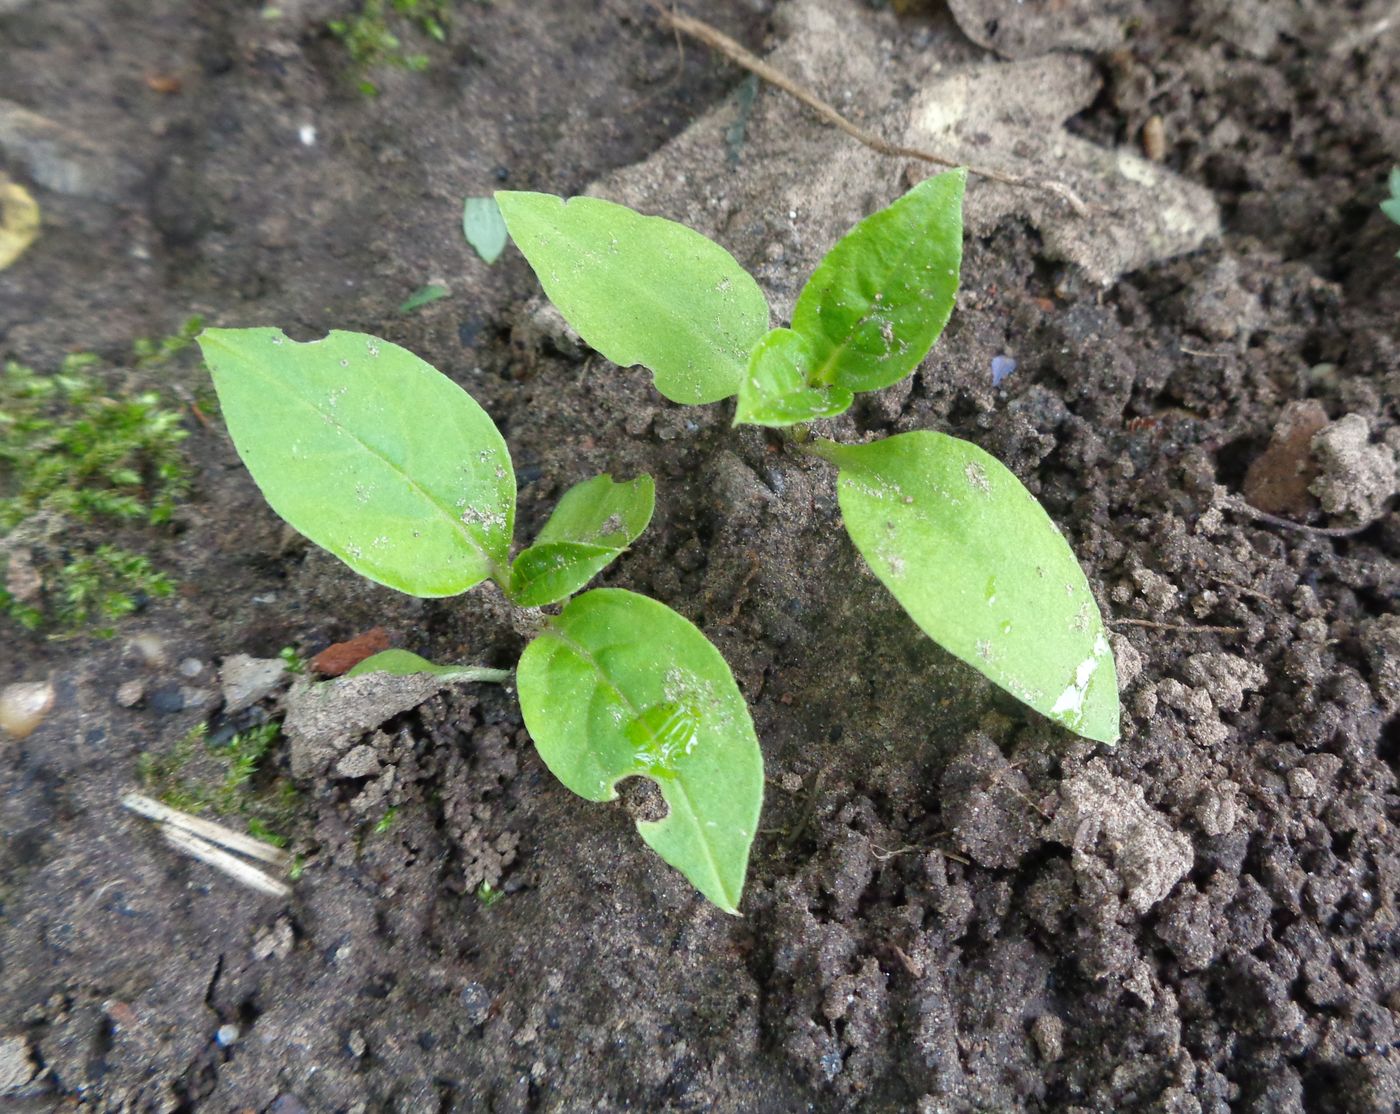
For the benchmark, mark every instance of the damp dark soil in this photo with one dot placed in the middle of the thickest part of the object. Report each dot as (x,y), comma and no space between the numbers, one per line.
(952,905)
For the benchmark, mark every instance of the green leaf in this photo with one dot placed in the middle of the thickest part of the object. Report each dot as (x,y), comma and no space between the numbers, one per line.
(643,290)
(874,306)
(370,453)
(602,511)
(979,565)
(620,686)
(483,227)
(548,573)
(423,295)
(404,663)
(593,523)
(1391,206)
(775,391)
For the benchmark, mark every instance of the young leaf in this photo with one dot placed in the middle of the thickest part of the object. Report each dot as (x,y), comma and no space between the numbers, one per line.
(370,453)
(423,296)
(602,511)
(483,227)
(643,290)
(979,565)
(552,571)
(403,663)
(775,391)
(620,685)
(1391,205)
(874,306)
(593,523)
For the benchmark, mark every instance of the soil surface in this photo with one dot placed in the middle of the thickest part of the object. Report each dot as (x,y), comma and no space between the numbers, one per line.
(952,904)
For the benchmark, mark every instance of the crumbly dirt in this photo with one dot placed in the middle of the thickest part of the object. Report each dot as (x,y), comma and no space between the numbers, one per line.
(952,906)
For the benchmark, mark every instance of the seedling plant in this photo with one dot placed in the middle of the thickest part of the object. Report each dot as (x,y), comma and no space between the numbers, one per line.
(386,463)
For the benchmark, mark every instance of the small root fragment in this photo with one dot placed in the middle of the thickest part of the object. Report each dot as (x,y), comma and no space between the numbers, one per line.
(1240,507)
(1184,628)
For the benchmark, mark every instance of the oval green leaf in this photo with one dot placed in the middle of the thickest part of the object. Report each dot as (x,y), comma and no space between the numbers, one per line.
(619,685)
(775,392)
(483,227)
(404,663)
(643,290)
(371,454)
(974,559)
(593,523)
(602,511)
(548,573)
(874,306)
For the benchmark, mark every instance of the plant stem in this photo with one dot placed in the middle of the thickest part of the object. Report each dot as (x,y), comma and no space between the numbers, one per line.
(481,673)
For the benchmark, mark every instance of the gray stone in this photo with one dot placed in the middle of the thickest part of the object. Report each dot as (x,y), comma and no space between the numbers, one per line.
(16,1066)
(1008,117)
(246,680)
(62,160)
(131,693)
(476,1003)
(168,699)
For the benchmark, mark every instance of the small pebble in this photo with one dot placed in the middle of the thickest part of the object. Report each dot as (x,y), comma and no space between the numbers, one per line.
(23,707)
(191,668)
(1002,367)
(131,693)
(227,1035)
(356,1044)
(1048,1032)
(1301,782)
(168,699)
(476,1003)
(1154,139)
(151,650)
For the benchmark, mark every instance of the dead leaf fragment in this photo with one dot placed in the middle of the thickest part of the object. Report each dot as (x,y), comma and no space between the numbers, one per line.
(1278,478)
(341,657)
(19,221)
